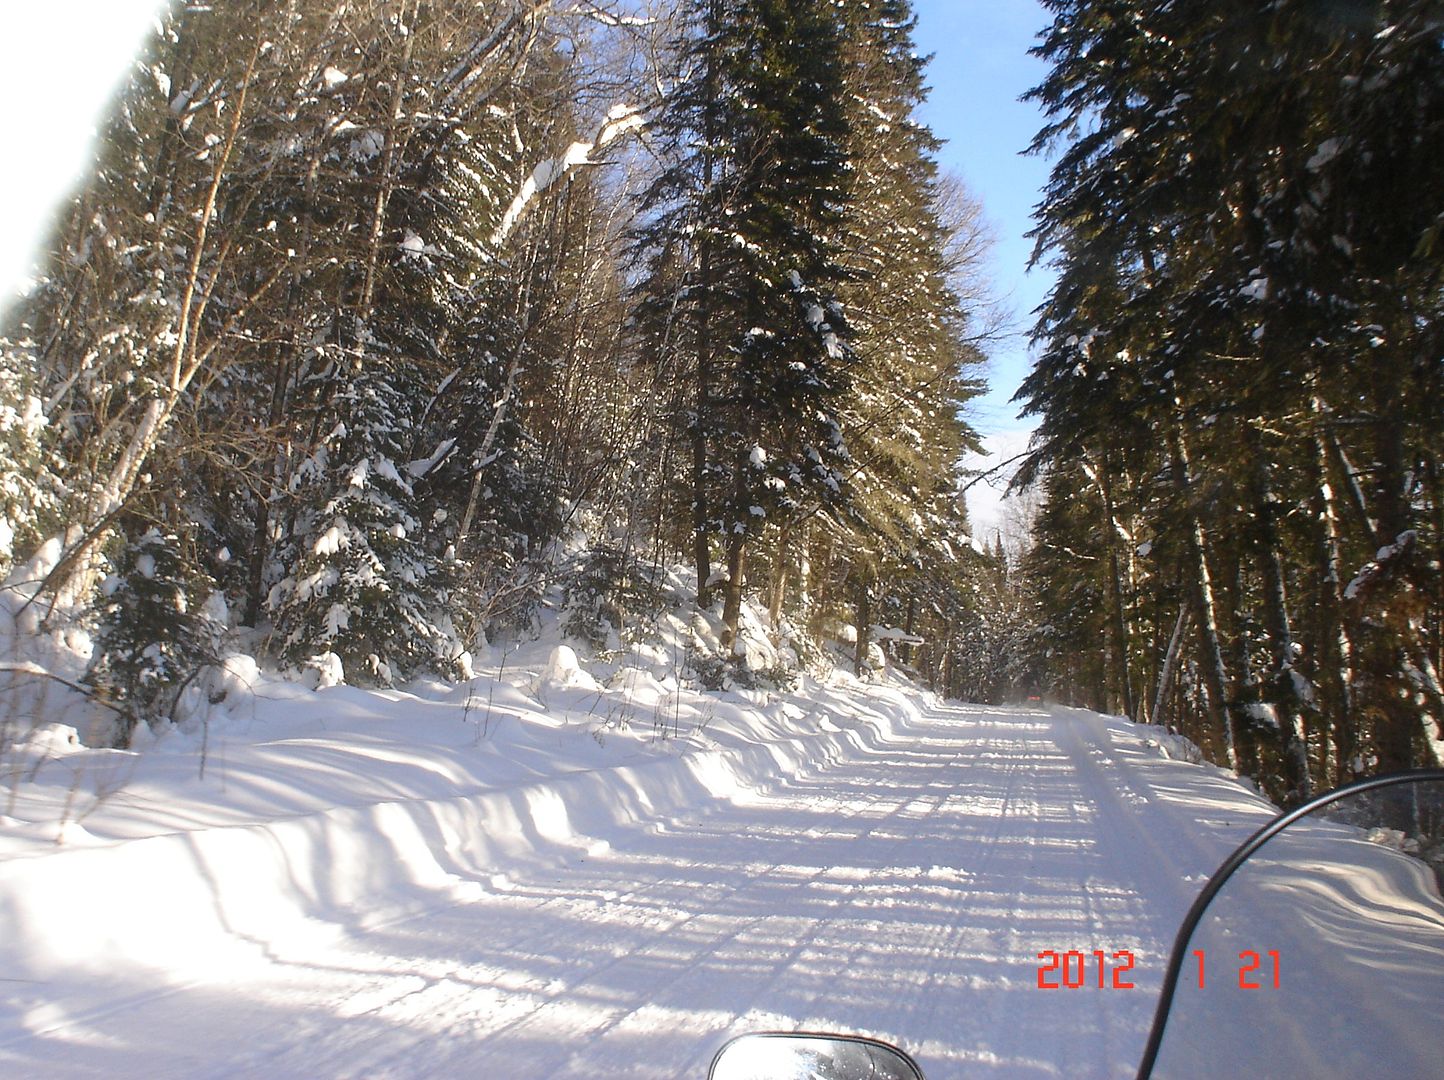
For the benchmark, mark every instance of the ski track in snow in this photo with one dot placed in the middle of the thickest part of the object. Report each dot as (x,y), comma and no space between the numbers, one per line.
(903,890)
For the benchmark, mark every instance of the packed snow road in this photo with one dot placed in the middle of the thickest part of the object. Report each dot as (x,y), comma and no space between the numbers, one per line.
(903,889)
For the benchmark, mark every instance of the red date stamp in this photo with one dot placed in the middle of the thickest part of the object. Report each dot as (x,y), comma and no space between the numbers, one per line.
(1074,969)
(1253,973)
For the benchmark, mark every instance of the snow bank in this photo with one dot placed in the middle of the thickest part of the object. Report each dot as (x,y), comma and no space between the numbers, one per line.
(296,814)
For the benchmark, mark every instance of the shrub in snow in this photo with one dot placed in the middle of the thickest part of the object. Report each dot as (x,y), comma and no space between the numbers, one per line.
(563,671)
(720,673)
(323,670)
(755,663)
(151,642)
(237,679)
(608,588)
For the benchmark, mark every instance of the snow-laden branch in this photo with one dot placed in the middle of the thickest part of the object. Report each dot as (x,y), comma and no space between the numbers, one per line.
(620,120)
(609,18)
(477,59)
(28,667)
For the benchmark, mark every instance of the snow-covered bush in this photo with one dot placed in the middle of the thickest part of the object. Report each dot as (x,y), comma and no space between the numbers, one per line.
(608,588)
(151,640)
(29,488)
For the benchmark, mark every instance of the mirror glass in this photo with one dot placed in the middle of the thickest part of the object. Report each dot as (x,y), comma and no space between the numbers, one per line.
(811,1057)
(1323,956)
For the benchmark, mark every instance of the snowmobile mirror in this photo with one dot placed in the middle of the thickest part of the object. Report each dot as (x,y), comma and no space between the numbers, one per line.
(1317,949)
(783,1056)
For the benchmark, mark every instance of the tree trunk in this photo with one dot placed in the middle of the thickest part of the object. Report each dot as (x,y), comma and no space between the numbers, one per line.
(706,277)
(1170,661)
(1333,651)
(864,625)
(1120,618)
(386,181)
(823,577)
(778,586)
(1281,684)
(1214,672)
(1382,615)
(261,539)
(732,596)
(187,358)
(909,621)
(483,454)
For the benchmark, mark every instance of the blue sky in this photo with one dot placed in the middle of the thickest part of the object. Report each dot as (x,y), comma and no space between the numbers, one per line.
(980,68)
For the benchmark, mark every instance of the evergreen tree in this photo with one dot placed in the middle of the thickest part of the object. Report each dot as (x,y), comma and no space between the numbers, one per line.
(152,637)
(912,337)
(741,273)
(31,488)
(362,584)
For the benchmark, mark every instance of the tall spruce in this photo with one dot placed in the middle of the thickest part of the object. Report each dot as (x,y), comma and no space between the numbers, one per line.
(912,336)
(741,269)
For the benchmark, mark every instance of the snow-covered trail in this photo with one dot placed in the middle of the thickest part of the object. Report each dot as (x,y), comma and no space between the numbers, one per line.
(903,890)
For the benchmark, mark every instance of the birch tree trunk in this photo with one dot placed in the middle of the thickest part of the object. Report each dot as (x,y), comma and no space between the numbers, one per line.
(483,454)
(79,568)
(1215,674)
(386,180)
(1334,652)
(1170,662)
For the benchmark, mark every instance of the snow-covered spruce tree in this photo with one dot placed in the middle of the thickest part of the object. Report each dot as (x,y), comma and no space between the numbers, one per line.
(362,584)
(915,343)
(741,269)
(153,637)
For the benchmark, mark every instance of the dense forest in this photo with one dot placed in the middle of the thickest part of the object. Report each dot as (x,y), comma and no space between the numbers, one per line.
(1240,378)
(384,324)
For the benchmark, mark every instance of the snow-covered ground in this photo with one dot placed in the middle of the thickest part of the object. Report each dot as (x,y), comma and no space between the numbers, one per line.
(538,875)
